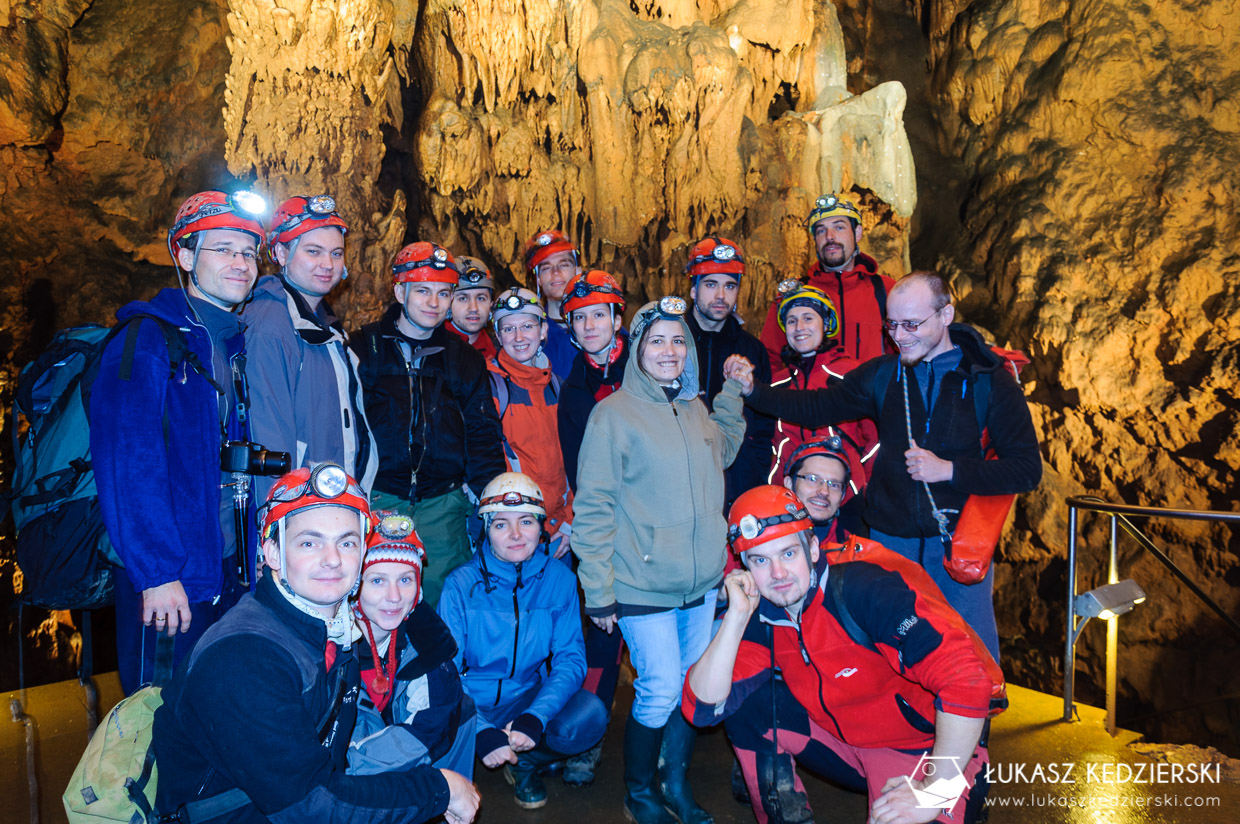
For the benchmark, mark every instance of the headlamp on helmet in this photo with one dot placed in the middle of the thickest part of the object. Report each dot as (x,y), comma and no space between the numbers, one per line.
(763,514)
(511,492)
(715,256)
(590,289)
(668,307)
(517,301)
(832,205)
(241,211)
(424,262)
(812,298)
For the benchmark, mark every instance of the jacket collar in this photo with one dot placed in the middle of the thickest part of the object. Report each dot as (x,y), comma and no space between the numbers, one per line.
(510,576)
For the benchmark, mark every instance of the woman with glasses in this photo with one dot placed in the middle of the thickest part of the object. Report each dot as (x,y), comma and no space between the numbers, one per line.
(527,398)
(650,535)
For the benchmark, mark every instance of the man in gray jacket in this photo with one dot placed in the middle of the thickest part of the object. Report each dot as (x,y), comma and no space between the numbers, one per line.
(305,396)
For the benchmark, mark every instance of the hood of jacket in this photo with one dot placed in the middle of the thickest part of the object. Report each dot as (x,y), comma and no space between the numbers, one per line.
(976,356)
(640,384)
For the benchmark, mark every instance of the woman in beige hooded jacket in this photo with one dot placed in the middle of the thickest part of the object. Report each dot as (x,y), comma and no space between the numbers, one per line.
(651,538)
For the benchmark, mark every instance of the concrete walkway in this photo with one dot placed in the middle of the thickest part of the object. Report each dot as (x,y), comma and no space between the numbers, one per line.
(1111,783)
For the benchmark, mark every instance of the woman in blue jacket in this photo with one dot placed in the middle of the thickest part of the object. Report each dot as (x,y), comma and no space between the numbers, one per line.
(517,622)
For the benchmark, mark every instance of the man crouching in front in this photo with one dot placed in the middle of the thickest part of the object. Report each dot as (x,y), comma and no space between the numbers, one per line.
(884,687)
(255,724)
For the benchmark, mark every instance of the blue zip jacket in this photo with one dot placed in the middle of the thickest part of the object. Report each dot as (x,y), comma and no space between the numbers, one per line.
(517,629)
(160,498)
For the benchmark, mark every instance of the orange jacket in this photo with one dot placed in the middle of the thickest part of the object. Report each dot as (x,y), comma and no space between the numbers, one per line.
(532,434)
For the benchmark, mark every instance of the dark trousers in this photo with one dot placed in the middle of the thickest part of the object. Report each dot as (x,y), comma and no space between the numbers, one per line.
(135,642)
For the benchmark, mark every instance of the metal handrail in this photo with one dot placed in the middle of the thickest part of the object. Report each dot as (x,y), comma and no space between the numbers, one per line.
(1118,513)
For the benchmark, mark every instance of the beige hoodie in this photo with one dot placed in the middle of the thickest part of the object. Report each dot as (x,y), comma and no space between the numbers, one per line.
(649,528)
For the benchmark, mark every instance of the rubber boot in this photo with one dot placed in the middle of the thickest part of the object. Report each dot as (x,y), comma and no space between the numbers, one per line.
(579,770)
(643,802)
(677,751)
(783,803)
(528,789)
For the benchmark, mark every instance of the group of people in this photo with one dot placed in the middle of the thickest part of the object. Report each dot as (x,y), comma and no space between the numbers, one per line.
(445,528)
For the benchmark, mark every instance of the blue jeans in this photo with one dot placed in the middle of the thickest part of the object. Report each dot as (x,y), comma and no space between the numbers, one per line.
(974,602)
(662,647)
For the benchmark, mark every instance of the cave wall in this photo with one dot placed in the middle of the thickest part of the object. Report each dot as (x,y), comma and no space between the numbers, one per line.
(1099,232)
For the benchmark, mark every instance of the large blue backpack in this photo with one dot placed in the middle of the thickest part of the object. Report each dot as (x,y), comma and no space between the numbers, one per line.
(63,550)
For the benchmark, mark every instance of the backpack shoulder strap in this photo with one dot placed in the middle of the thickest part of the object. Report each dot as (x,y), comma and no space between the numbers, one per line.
(854,630)
(499,390)
(882,377)
(880,293)
(174,339)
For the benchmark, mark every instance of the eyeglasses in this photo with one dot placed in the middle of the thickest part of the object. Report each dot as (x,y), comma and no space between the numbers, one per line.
(818,480)
(525,328)
(909,325)
(248,255)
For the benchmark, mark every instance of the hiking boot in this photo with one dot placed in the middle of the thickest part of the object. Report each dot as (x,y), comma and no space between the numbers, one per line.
(579,770)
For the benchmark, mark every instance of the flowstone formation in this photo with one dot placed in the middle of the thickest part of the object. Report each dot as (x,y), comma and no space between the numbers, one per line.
(1101,235)
(640,127)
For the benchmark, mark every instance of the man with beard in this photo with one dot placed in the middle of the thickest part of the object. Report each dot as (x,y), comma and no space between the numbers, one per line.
(942,405)
(851,641)
(715,268)
(848,277)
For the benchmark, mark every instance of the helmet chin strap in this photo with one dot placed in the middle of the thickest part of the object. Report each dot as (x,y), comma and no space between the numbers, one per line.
(338,626)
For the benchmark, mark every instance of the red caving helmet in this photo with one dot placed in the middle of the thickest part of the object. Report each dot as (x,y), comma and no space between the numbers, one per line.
(715,256)
(241,211)
(591,288)
(545,244)
(424,262)
(763,514)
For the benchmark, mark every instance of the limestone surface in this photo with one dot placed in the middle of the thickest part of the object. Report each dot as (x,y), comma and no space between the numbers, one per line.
(1100,234)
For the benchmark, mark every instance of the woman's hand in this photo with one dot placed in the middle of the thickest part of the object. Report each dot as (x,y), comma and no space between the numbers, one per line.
(606,623)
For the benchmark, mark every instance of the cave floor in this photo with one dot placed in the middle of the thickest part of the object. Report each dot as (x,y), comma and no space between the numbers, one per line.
(1027,737)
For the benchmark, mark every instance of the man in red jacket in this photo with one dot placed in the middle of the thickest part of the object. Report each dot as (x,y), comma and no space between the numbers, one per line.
(848,277)
(883,689)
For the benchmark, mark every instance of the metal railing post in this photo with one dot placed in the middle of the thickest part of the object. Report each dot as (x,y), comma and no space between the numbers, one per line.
(1112,630)
(1069,656)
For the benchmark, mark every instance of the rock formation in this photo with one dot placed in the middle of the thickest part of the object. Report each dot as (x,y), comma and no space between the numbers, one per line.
(639,128)
(1100,233)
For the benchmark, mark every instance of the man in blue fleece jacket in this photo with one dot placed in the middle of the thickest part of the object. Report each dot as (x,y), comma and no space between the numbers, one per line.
(156,432)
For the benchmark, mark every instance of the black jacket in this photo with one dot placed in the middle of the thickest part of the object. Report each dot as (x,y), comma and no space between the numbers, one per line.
(895,503)
(753,463)
(454,437)
(579,394)
(240,712)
